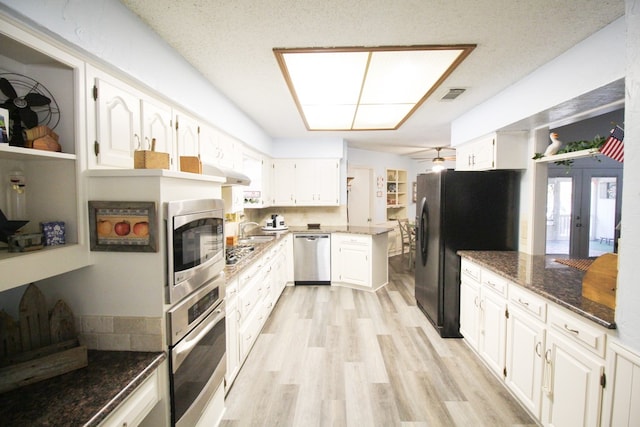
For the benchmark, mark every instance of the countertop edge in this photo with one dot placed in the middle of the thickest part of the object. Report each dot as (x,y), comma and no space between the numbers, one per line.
(103,413)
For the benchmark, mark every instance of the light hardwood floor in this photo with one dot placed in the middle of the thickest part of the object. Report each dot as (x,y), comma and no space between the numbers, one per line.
(332,356)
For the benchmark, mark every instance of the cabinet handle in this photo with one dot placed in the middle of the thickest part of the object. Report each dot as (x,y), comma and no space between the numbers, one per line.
(538,347)
(573,331)
(525,303)
(547,382)
(475,301)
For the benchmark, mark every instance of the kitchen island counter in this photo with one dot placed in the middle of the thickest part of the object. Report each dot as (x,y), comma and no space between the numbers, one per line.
(84,397)
(371,231)
(540,274)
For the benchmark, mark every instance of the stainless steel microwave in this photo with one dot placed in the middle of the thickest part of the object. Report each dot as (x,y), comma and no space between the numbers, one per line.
(195,245)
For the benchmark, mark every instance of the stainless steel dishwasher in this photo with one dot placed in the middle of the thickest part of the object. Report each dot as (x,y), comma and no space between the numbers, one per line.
(312,259)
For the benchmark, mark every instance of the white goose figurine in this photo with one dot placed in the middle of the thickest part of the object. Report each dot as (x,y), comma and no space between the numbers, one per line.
(554,146)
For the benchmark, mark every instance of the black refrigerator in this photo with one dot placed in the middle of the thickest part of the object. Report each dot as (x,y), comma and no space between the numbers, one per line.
(458,210)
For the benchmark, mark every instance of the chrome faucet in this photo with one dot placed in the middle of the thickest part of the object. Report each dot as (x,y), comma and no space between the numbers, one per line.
(243,226)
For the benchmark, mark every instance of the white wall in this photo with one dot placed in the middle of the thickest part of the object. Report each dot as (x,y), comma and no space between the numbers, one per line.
(380,162)
(592,63)
(628,296)
(115,36)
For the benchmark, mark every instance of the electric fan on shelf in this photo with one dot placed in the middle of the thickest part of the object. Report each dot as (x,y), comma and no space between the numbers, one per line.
(29,103)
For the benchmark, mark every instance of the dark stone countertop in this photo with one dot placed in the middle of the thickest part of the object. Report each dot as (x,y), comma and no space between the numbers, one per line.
(83,397)
(540,274)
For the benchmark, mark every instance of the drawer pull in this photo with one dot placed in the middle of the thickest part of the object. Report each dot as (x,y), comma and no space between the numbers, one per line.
(490,283)
(573,331)
(525,303)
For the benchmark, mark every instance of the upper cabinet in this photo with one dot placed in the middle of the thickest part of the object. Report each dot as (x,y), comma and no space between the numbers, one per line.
(187,134)
(122,119)
(53,190)
(258,168)
(500,150)
(306,182)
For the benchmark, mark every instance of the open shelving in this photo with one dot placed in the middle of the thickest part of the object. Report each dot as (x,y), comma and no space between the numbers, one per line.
(396,193)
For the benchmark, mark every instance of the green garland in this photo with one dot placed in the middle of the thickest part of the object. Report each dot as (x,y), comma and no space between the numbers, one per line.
(572,146)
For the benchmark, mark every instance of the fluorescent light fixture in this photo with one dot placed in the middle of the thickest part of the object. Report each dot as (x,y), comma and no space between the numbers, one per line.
(356,88)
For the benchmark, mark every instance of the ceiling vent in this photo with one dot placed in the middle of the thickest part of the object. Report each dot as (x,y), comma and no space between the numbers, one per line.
(452,94)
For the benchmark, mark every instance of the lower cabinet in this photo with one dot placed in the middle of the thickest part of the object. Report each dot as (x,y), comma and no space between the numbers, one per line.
(524,358)
(359,260)
(552,360)
(250,297)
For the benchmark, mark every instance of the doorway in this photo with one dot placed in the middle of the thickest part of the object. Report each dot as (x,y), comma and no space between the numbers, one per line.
(583,209)
(359,203)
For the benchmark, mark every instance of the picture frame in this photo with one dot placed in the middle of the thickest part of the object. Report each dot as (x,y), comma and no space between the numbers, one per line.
(116,226)
(5,127)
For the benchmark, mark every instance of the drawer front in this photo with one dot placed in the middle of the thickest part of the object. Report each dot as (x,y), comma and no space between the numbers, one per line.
(470,270)
(588,336)
(528,302)
(249,297)
(354,239)
(494,282)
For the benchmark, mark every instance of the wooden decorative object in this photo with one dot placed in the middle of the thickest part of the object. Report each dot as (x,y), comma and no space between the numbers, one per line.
(39,346)
(150,159)
(600,279)
(190,164)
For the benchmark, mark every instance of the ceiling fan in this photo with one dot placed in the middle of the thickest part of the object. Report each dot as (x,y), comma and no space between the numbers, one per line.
(438,160)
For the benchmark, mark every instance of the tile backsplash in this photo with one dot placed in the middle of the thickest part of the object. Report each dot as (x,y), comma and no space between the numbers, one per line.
(120,333)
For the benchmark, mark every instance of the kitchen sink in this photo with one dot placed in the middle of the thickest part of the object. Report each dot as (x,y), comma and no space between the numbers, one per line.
(255,239)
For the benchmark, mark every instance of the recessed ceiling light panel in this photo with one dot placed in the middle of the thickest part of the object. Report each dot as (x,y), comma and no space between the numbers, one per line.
(365,88)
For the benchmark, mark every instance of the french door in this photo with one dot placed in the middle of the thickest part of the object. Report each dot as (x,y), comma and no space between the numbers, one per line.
(583,209)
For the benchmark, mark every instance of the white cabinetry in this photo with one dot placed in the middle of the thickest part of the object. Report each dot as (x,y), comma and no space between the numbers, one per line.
(232,322)
(351,261)
(550,358)
(493,321)
(54,190)
(359,260)
(306,182)
(187,134)
(574,369)
(504,150)
(284,182)
(124,120)
(251,296)
(133,410)
(525,346)
(157,124)
(317,182)
(258,168)
(470,303)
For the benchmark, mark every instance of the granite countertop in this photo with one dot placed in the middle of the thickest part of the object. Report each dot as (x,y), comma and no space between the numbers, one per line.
(540,274)
(83,397)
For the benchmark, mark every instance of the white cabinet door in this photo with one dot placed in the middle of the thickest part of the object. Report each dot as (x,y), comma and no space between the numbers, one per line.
(572,392)
(118,132)
(317,182)
(501,150)
(470,312)
(228,152)
(209,145)
(187,135)
(493,325)
(284,182)
(232,332)
(252,166)
(157,123)
(351,259)
(525,349)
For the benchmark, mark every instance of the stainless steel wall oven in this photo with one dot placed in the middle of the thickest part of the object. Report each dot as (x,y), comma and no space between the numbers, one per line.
(195,244)
(197,351)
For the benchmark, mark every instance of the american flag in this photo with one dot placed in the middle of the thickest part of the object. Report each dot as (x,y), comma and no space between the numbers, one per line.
(613,146)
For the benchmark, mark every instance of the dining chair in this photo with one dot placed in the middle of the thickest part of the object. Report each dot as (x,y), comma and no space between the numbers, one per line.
(408,238)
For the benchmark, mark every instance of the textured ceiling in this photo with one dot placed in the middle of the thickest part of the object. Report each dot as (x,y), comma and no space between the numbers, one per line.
(230,42)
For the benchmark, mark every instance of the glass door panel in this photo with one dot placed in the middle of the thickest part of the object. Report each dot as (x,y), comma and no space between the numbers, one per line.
(559,211)
(602,218)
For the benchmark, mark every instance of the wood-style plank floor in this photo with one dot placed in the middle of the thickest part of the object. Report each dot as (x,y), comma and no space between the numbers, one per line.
(332,356)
